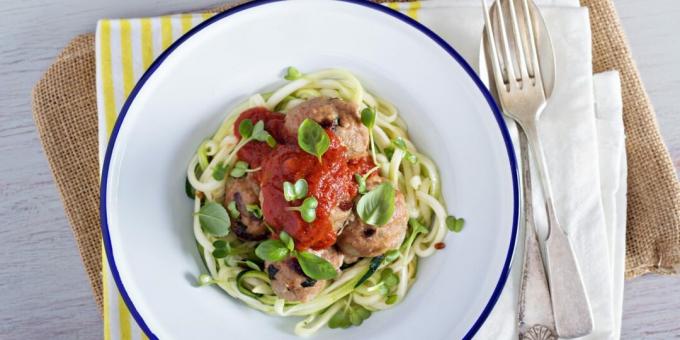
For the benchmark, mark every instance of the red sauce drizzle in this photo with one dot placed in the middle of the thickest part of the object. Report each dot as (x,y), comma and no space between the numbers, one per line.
(330,181)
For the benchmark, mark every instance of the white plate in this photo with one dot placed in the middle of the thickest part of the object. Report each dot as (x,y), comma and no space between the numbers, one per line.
(183,97)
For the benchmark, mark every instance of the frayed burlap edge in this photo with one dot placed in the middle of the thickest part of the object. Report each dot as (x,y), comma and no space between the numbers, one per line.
(653,226)
(65,113)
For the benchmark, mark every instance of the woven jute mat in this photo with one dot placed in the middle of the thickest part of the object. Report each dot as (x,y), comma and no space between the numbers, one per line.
(65,113)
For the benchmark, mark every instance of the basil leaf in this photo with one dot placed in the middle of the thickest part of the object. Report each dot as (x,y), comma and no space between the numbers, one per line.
(219,171)
(246,128)
(287,240)
(271,250)
(214,219)
(377,206)
(368,117)
(372,267)
(316,267)
(312,138)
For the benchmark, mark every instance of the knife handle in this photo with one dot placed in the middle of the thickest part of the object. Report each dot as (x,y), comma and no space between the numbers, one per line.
(571,307)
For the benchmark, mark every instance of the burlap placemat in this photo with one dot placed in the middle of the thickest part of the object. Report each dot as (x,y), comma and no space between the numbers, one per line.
(65,113)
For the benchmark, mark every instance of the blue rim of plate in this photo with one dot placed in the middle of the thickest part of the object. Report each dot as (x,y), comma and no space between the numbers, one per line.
(374,6)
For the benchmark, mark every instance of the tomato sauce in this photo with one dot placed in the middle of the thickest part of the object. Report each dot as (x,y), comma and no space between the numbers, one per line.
(330,181)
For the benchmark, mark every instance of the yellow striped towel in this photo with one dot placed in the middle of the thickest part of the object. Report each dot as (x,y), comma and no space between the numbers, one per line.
(125,49)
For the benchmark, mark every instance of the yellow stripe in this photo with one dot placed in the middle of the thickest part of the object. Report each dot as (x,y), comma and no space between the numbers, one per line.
(107,78)
(207,15)
(186,22)
(124,319)
(126,56)
(393,5)
(166,32)
(413,9)
(147,43)
(105,283)
(144,337)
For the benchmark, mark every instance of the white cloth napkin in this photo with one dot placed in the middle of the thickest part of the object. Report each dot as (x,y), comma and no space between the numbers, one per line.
(582,132)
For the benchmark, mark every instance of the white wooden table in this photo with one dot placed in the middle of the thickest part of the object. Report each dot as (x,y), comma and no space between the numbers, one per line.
(44,292)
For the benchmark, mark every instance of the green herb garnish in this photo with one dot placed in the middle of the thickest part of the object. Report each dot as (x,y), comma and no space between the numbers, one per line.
(316,267)
(295,191)
(312,138)
(233,211)
(361,180)
(401,144)
(454,224)
(307,209)
(272,250)
(287,240)
(392,255)
(377,206)
(219,171)
(350,314)
(250,131)
(292,73)
(254,210)
(214,219)
(312,265)
(417,228)
(368,119)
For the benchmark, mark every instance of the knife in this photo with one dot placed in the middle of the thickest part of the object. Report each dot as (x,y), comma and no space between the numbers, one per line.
(535,313)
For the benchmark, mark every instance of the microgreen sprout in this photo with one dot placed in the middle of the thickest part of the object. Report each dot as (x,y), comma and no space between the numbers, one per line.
(295,191)
(307,209)
(401,144)
(455,224)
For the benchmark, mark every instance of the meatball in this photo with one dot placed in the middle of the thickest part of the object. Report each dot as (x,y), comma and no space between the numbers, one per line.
(339,218)
(340,116)
(290,283)
(242,192)
(363,240)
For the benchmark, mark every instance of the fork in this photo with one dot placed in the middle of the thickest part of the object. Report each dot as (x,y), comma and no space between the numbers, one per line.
(521,94)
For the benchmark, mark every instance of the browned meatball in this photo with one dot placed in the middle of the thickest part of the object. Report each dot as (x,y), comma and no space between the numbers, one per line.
(247,226)
(340,116)
(339,218)
(290,283)
(362,240)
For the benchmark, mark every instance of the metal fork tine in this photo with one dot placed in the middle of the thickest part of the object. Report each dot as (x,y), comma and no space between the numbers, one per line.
(512,76)
(532,43)
(494,56)
(519,44)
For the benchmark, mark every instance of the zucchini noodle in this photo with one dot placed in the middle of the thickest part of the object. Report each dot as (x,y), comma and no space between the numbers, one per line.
(418,181)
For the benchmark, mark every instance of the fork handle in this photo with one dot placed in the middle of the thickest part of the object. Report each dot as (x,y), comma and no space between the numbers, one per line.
(571,308)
